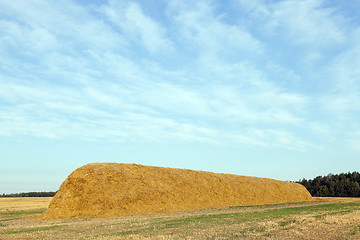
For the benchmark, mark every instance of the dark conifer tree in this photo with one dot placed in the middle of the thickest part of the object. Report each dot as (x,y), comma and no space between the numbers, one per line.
(334,185)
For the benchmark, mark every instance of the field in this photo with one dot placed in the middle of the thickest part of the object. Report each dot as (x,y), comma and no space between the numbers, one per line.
(323,218)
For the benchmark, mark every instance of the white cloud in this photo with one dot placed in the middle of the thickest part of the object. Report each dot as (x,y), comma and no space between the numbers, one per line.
(92,73)
(139,27)
(298,34)
(343,76)
(205,33)
(344,69)
(25,40)
(342,104)
(307,22)
(37,32)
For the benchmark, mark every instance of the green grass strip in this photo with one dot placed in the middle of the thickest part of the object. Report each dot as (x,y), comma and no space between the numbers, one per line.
(37,229)
(272,213)
(13,214)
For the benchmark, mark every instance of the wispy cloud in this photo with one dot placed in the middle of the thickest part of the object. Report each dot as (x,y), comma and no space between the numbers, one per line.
(211,39)
(138,27)
(307,23)
(114,71)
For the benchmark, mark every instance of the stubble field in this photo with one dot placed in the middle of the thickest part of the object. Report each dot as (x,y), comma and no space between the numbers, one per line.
(323,218)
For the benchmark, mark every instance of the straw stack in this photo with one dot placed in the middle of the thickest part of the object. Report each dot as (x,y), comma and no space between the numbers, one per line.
(114,189)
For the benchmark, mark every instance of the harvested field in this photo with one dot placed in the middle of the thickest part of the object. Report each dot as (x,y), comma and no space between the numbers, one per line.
(331,219)
(101,190)
(24,203)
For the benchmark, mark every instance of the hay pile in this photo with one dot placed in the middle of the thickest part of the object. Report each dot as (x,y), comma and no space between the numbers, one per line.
(114,189)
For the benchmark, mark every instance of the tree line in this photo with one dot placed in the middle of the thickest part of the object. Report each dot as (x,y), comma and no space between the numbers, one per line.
(30,194)
(334,185)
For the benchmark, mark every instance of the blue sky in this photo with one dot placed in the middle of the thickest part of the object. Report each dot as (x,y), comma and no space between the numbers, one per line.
(250,87)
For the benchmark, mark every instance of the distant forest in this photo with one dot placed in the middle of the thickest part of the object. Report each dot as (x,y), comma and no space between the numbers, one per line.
(338,185)
(30,194)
